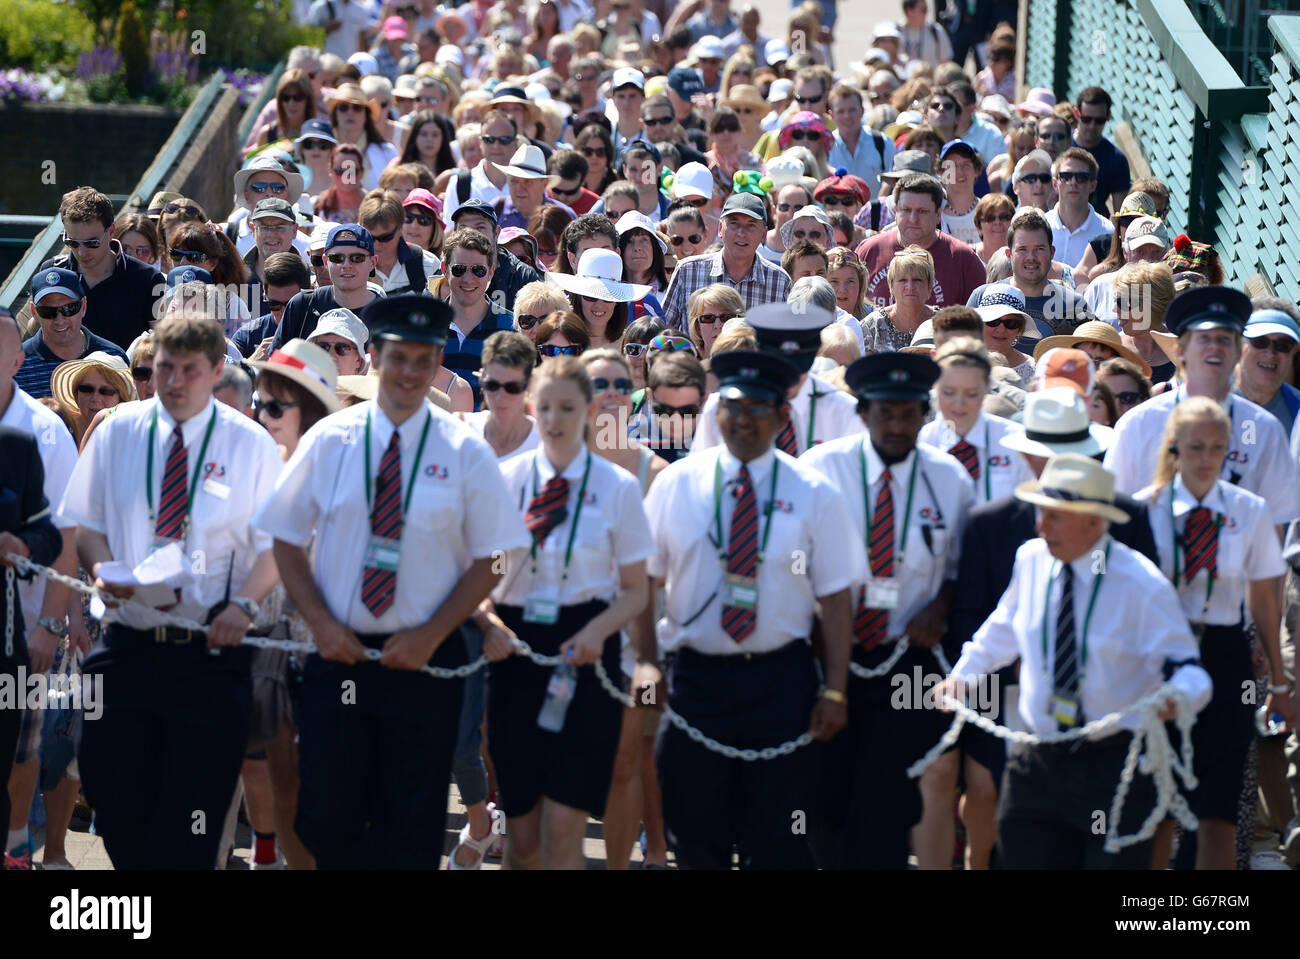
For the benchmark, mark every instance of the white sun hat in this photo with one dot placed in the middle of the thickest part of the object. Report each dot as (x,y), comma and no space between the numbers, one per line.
(600,276)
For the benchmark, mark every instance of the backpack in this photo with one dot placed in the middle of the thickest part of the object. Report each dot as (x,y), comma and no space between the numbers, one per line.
(463,186)
(415,272)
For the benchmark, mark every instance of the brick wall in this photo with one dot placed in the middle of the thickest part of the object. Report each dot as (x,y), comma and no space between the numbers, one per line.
(107,147)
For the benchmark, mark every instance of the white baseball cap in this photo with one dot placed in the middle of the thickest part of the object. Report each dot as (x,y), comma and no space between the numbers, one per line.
(625,75)
(780,90)
(692,179)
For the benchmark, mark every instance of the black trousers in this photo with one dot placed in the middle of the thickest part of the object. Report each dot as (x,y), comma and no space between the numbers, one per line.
(711,803)
(11,719)
(160,763)
(1054,807)
(375,750)
(868,804)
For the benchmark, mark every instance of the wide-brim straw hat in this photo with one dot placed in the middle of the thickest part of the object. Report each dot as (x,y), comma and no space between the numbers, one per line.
(1094,331)
(365,386)
(348,92)
(1076,484)
(113,369)
(746,95)
(309,366)
(600,276)
(264,163)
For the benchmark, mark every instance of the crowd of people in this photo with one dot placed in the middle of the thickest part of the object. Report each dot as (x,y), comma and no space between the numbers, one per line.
(514,301)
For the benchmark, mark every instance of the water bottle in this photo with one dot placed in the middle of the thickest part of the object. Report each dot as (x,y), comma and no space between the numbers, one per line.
(1269,726)
(559,693)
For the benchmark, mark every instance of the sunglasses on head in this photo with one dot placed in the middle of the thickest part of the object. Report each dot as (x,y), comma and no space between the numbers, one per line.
(621,385)
(273,408)
(86,389)
(188,256)
(385,237)
(141,374)
(50,312)
(690,409)
(550,349)
(88,244)
(1035,178)
(267,187)
(693,239)
(699,202)
(478,269)
(673,344)
(491,140)
(316,145)
(1081,176)
(514,388)
(338,349)
(187,209)
(805,135)
(1010,322)
(1129,397)
(1278,344)
(424,219)
(347,257)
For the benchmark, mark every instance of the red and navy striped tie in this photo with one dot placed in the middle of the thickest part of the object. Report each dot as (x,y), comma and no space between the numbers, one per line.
(969,457)
(1201,534)
(871,625)
(379,586)
(547,509)
(786,441)
(174,502)
(742,560)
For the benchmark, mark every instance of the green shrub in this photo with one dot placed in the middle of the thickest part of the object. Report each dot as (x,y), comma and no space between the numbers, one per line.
(38,34)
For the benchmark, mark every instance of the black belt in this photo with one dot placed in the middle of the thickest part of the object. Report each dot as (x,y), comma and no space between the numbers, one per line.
(687,655)
(1115,741)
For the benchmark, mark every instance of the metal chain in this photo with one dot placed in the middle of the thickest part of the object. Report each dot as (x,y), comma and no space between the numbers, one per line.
(9,608)
(900,647)
(1158,760)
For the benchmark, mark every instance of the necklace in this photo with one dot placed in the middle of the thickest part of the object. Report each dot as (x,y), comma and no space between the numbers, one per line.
(967,212)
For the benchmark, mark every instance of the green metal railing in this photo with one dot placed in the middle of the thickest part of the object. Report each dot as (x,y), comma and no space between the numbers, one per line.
(1238,29)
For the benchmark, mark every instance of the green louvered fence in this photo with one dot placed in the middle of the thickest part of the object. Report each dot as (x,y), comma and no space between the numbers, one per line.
(1230,152)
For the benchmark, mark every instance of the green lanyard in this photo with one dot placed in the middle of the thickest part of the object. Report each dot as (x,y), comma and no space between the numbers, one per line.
(1087,617)
(198,465)
(717,511)
(573,529)
(866,501)
(812,416)
(1210,577)
(415,470)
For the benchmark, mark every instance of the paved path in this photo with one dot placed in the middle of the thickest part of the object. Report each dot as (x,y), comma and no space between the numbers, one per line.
(855,20)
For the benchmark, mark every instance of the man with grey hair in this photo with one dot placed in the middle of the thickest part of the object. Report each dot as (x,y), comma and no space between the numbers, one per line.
(306,59)
(235,388)
(1031,181)
(818,291)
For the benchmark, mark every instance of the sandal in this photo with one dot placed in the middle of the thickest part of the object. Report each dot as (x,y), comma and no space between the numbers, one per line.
(481,847)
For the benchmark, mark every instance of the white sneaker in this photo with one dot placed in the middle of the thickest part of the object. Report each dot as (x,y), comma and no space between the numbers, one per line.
(1268,861)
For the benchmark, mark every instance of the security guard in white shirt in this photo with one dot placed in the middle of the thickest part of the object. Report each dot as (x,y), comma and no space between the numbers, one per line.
(405,503)
(1208,321)
(964,430)
(175,479)
(908,505)
(739,614)
(1218,547)
(818,410)
(1096,627)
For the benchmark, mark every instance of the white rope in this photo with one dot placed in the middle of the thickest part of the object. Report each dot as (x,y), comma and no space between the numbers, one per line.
(1158,761)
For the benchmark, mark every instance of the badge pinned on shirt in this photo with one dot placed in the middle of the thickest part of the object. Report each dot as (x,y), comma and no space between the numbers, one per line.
(883,593)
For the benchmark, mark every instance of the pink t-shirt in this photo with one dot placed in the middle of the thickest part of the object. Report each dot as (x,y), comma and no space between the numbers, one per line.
(957,269)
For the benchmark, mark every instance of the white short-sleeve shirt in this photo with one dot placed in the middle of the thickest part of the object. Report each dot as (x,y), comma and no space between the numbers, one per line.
(1000,469)
(819,413)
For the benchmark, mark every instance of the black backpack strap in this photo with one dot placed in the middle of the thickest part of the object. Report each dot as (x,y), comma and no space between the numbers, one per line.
(875,215)
(878,139)
(462,185)
(415,272)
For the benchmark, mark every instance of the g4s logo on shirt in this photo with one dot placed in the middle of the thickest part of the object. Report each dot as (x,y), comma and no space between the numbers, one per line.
(213,471)
(782,506)
(929,515)
(1238,456)
(436,471)
(590,499)
(999,462)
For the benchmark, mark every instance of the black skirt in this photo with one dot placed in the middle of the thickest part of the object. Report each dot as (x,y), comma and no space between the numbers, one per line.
(575,765)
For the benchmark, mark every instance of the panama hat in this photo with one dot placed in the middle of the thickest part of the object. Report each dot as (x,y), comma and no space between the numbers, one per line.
(600,276)
(1075,484)
(528,163)
(309,366)
(1094,331)
(745,95)
(118,374)
(268,164)
(1056,421)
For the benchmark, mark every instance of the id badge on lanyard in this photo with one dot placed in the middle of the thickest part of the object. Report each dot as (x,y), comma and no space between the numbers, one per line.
(740,591)
(382,553)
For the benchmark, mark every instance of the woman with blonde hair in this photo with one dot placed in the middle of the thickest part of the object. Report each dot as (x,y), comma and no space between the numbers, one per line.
(534,303)
(709,308)
(738,69)
(99,381)
(1143,292)
(888,329)
(1218,547)
(848,277)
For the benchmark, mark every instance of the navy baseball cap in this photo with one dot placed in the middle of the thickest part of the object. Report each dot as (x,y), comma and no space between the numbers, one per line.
(350,234)
(56,280)
(317,129)
(685,82)
(187,274)
(1208,308)
(892,376)
(750,374)
(960,146)
(414,317)
(475,205)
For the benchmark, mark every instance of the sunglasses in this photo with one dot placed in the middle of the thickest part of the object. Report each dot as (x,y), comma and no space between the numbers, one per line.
(633,349)
(997,218)
(317,260)
(690,409)
(805,135)
(273,408)
(514,388)
(142,253)
(429,98)
(1035,178)
(266,187)
(75,244)
(1278,344)
(943,106)
(556,191)
(424,219)
(190,211)
(316,145)
(526,321)
(814,235)
(816,99)
(673,344)
(188,256)
(657,121)
(739,408)
(350,108)
(85,389)
(501,139)
(338,349)
(712,319)
(50,312)
(1053,136)
(1129,397)
(622,385)
(787,207)
(1074,177)
(345,170)
(385,237)
(593,151)
(550,349)
(347,257)
(293,98)
(1010,322)
(693,239)
(478,269)
(141,374)
(1085,120)
(842,200)
(275,306)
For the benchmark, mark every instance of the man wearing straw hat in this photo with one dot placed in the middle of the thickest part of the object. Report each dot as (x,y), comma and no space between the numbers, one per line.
(1096,627)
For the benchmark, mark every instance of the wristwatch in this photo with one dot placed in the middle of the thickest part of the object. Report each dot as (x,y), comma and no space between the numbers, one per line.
(835,696)
(57,627)
(247,607)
